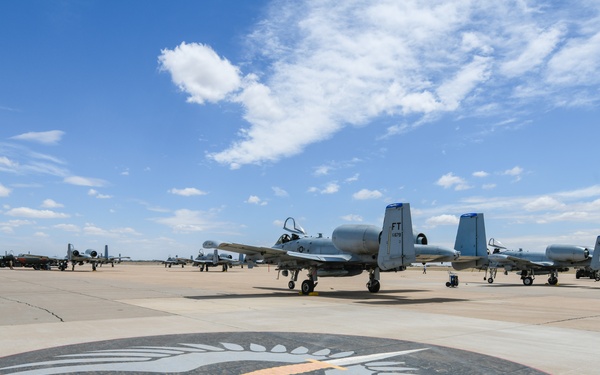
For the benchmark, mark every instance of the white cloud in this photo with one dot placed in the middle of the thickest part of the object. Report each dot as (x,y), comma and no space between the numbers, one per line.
(352,217)
(279,192)
(367,194)
(514,171)
(480,174)
(48,138)
(449,180)
(49,203)
(84,181)
(95,193)
(544,203)
(185,220)
(442,220)
(198,71)
(187,192)
(35,214)
(67,227)
(4,191)
(253,199)
(330,66)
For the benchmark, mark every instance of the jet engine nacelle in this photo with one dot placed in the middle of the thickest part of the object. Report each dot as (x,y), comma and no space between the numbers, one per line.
(362,239)
(567,253)
(75,253)
(92,253)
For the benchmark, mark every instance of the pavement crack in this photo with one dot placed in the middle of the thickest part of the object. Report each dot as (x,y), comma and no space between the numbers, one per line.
(35,307)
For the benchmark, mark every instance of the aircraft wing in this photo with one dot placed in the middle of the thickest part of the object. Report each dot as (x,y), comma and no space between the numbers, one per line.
(526,262)
(324,258)
(269,252)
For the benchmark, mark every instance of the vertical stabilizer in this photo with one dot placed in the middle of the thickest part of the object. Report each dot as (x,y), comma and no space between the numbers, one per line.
(396,247)
(596,257)
(69,251)
(471,241)
(106,251)
(216,257)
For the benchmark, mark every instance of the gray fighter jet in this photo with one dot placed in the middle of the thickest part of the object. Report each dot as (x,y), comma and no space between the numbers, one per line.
(529,264)
(351,250)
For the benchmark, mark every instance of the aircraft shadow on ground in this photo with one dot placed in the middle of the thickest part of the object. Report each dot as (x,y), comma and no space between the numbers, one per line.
(388,297)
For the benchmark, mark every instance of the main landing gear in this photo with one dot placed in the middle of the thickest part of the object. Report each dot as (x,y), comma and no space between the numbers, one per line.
(308,286)
(374,285)
(492,275)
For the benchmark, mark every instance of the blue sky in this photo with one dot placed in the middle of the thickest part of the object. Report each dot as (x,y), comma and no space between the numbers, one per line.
(153,126)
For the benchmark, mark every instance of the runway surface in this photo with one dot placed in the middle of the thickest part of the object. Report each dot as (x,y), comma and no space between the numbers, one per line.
(146,318)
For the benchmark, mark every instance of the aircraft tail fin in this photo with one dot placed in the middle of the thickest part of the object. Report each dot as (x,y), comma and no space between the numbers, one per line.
(69,251)
(471,241)
(216,257)
(596,257)
(396,247)
(106,251)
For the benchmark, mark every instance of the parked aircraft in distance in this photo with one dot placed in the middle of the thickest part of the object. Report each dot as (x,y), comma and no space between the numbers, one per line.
(226,261)
(37,262)
(556,258)
(110,258)
(352,249)
(177,261)
(89,256)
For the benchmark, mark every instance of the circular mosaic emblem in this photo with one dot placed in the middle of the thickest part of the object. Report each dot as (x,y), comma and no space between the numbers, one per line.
(257,353)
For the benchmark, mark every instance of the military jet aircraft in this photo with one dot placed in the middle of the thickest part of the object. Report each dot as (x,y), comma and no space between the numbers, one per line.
(37,262)
(79,258)
(351,250)
(226,261)
(177,261)
(556,258)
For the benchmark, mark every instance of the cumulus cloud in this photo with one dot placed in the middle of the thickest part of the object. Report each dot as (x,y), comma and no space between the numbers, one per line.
(352,217)
(329,66)
(364,194)
(50,203)
(35,214)
(4,191)
(95,193)
(253,199)
(199,72)
(48,138)
(544,203)
(480,174)
(442,220)
(450,180)
(187,192)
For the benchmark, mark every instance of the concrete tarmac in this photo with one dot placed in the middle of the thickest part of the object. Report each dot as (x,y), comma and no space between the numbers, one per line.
(554,329)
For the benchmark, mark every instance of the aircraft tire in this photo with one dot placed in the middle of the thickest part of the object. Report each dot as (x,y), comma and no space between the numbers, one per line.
(448,284)
(374,286)
(490,280)
(553,281)
(308,286)
(527,281)
(291,285)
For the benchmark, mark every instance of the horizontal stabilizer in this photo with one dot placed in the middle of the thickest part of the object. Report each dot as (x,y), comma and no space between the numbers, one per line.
(596,257)
(396,248)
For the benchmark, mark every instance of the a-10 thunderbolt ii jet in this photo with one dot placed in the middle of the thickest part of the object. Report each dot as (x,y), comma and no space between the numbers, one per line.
(226,261)
(177,261)
(529,264)
(91,256)
(351,250)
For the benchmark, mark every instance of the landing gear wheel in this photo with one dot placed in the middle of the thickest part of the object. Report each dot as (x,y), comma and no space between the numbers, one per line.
(527,281)
(553,281)
(291,285)
(490,280)
(373,286)
(308,286)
